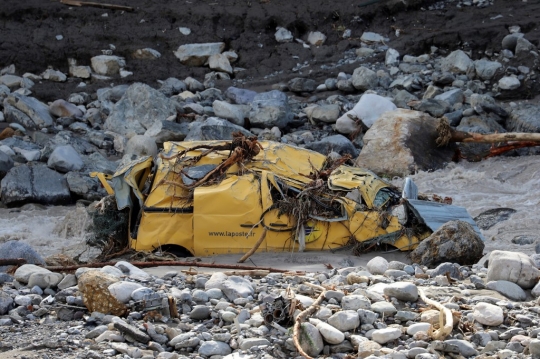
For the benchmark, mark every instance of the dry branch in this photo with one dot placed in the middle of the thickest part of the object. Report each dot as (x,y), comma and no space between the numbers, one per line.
(310,310)
(447,134)
(96,4)
(12,261)
(446,319)
(171,263)
(255,247)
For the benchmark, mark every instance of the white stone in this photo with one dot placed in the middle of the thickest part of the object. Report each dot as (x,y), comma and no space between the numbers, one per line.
(405,291)
(220,62)
(355,302)
(23,273)
(509,83)
(345,320)
(122,290)
(488,314)
(377,265)
(457,62)
(330,334)
(391,58)
(418,327)
(385,335)
(316,38)
(283,35)
(372,37)
(184,30)
(514,267)
(107,65)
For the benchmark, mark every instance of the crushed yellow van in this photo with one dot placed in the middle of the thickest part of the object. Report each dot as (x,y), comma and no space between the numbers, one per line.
(215,197)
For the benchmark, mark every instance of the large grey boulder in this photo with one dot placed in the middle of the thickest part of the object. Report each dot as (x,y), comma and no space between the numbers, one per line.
(335,143)
(172,86)
(327,113)
(141,145)
(486,69)
(112,94)
(214,129)
(138,109)
(368,109)
(84,186)
(65,159)
(6,163)
(514,267)
(240,96)
(36,110)
(402,142)
(163,130)
(457,62)
(454,241)
(18,249)
(234,113)
(198,54)
(35,183)
(524,118)
(364,79)
(270,109)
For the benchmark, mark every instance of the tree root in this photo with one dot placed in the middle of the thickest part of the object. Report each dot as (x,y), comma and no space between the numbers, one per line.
(302,316)
(445,318)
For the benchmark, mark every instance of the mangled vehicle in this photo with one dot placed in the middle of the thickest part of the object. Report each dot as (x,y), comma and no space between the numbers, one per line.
(215,197)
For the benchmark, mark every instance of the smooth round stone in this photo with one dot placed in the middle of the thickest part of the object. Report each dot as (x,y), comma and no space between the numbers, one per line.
(337,295)
(384,308)
(23,300)
(323,313)
(367,348)
(488,314)
(404,291)
(534,348)
(122,290)
(385,335)
(211,347)
(200,296)
(465,348)
(377,265)
(345,320)
(418,327)
(140,293)
(200,312)
(415,351)
(405,316)
(355,302)
(228,316)
(508,289)
(330,334)
(214,293)
(396,273)
(430,316)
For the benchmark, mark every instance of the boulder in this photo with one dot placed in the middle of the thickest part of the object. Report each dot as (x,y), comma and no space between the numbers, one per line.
(122,290)
(377,265)
(54,75)
(368,109)
(310,339)
(402,142)
(524,118)
(323,113)
(36,110)
(65,159)
(24,272)
(301,84)
(220,62)
(94,288)
(164,130)
(112,94)
(508,289)
(270,109)
(172,86)
(486,69)
(198,54)
(330,334)
(514,267)
(13,82)
(34,182)
(45,280)
(345,320)
(214,129)
(404,291)
(454,241)
(141,145)
(336,143)
(509,83)
(240,96)
(18,249)
(235,287)
(107,65)
(234,113)
(364,79)
(138,109)
(62,108)
(6,163)
(457,62)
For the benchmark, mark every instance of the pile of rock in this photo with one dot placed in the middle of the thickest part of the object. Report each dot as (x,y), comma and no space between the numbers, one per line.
(372,311)
(61,142)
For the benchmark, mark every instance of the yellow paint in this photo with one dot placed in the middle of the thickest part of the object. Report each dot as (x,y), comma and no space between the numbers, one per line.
(229,216)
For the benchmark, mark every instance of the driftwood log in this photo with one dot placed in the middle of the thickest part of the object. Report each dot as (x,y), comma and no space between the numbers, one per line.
(506,141)
(96,4)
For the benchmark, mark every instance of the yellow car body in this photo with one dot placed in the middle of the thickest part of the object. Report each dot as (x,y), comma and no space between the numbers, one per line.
(229,215)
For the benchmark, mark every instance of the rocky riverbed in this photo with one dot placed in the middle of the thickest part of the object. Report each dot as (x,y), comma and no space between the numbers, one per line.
(84,89)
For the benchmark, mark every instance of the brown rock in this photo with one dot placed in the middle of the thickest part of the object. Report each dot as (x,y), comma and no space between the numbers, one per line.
(94,287)
(454,241)
(402,142)
(62,108)
(7,133)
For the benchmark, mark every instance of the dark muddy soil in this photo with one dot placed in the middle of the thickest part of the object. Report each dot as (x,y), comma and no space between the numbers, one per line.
(28,31)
